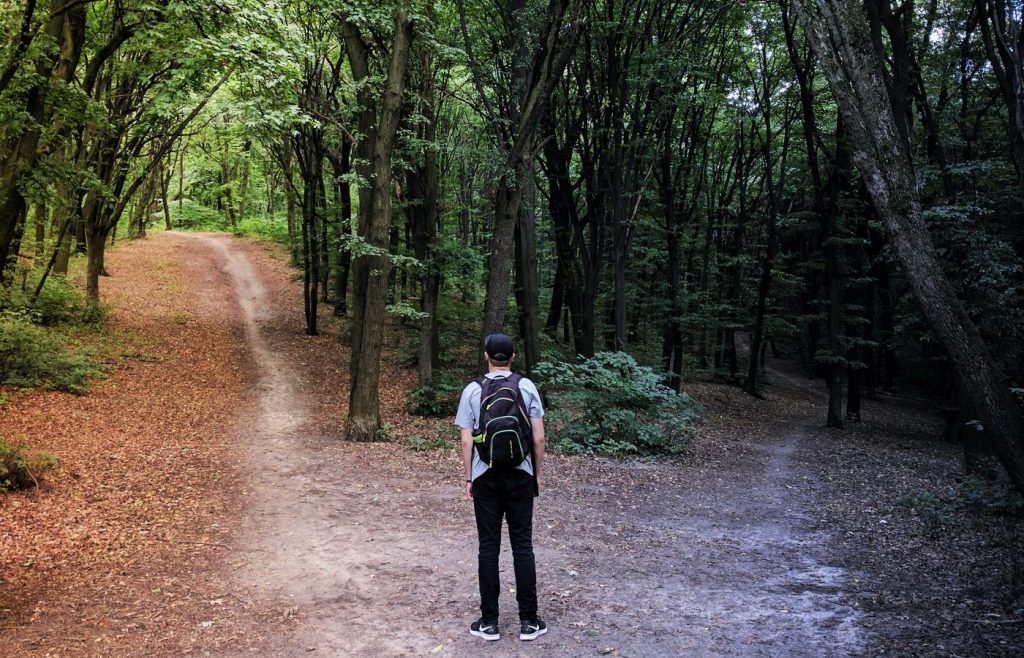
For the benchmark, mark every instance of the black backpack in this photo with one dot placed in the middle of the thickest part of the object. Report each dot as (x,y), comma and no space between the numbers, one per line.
(506,438)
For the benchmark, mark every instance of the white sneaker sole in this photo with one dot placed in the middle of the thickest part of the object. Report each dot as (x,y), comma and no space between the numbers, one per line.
(534,635)
(489,638)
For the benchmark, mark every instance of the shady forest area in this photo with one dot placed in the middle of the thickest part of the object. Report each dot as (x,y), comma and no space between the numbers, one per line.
(766,253)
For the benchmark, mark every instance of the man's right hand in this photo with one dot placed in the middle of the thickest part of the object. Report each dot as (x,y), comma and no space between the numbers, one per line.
(469,491)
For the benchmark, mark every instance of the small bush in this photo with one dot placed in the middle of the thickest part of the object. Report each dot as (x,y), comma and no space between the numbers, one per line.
(386,432)
(438,398)
(59,301)
(611,404)
(19,469)
(31,356)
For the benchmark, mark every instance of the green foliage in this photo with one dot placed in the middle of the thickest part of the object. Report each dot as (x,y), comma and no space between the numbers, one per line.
(405,311)
(263,228)
(440,397)
(32,356)
(59,301)
(20,469)
(611,404)
(197,217)
(386,432)
(462,268)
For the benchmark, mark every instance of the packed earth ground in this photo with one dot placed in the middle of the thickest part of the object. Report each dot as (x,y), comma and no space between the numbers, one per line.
(207,504)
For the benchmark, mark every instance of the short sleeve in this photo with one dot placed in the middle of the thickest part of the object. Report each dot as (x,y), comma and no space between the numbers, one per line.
(465,418)
(531,398)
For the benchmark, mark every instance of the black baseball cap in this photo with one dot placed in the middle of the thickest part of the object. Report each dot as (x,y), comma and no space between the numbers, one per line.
(499,347)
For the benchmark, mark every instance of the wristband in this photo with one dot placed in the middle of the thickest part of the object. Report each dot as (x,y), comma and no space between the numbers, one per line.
(469,481)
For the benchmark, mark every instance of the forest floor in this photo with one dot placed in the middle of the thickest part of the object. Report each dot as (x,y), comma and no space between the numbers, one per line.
(206,505)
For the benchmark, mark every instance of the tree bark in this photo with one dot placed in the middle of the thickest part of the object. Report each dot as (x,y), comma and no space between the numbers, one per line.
(345,228)
(527,288)
(371,270)
(243,187)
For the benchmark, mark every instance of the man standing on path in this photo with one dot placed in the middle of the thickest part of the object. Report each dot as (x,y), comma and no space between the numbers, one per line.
(502,454)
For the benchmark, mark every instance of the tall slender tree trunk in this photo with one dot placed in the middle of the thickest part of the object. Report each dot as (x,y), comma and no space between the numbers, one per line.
(371,271)
(40,228)
(243,187)
(345,228)
(290,214)
(527,288)
(165,184)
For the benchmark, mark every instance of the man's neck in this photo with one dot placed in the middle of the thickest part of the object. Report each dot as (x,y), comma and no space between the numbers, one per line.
(493,369)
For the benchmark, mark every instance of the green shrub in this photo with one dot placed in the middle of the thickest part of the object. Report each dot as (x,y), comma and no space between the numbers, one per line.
(32,356)
(19,469)
(386,432)
(611,404)
(440,397)
(266,228)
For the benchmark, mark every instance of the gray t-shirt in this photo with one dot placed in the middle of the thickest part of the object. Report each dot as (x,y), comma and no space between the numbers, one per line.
(468,415)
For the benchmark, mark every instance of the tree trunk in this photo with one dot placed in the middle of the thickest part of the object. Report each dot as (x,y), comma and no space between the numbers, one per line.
(527,289)
(514,128)
(345,228)
(226,182)
(371,271)
(96,243)
(423,217)
(40,228)
(288,158)
(243,188)
(839,36)
(165,184)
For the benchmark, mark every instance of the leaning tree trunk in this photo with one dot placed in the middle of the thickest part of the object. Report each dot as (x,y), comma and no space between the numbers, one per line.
(839,35)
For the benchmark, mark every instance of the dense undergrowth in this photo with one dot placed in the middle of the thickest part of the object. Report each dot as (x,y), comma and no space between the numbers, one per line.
(35,345)
(611,404)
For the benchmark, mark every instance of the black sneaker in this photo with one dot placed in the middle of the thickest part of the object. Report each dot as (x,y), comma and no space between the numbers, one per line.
(532,629)
(488,631)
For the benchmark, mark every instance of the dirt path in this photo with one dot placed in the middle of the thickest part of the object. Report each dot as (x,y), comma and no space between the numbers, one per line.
(371,549)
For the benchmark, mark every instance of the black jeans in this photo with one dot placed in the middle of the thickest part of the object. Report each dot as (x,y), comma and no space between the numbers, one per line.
(508,494)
